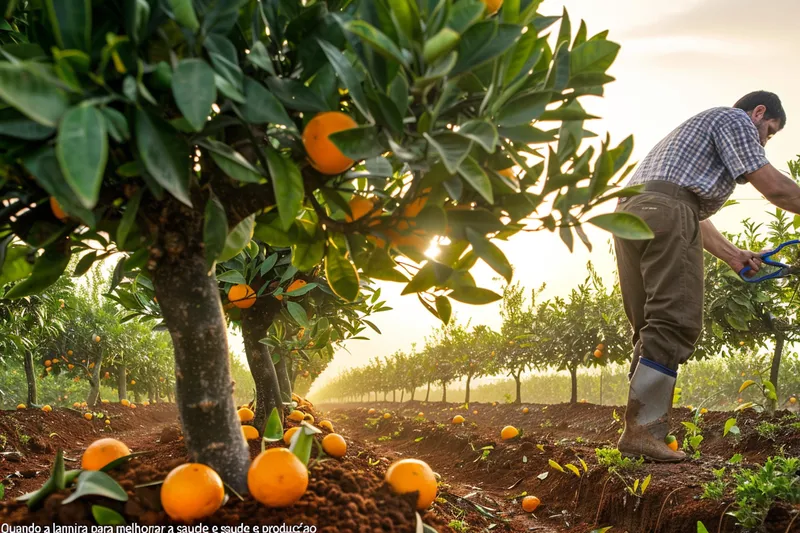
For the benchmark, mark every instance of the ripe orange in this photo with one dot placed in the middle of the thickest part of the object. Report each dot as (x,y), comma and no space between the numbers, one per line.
(413,475)
(192,491)
(21,406)
(334,445)
(105,401)
(245,414)
(133,406)
(327,425)
(598,354)
(249,432)
(458,419)
(792,400)
(492,5)
(703,411)
(47,408)
(242,296)
(69,352)
(87,416)
(296,416)
(58,212)
(125,403)
(108,422)
(530,503)
(323,154)
(387,416)
(49,368)
(371,412)
(133,381)
(101,452)
(309,418)
(525,410)
(494,404)
(97,338)
(70,367)
(475,412)
(287,436)
(417,205)
(48,362)
(509,432)
(360,207)
(277,478)
(672,442)
(601,346)
(296,284)
(739,400)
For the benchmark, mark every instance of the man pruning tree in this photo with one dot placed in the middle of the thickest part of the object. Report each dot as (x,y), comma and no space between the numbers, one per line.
(687,177)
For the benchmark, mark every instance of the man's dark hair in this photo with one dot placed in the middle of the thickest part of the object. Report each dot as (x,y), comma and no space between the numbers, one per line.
(769,100)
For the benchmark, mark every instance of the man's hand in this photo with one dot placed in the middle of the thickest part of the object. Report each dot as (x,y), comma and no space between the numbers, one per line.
(744,258)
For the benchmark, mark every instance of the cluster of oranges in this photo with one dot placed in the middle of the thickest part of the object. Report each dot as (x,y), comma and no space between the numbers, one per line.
(598,351)
(243,296)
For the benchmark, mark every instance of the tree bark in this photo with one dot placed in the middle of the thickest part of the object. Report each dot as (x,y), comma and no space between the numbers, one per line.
(385,395)
(402,395)
(122,382)
(30,378)
(444,392)
(469,379)
(192,310)
(573,372)
(94,382)
(428,394)
(413,392)
(776,359)
(283,380)
(394,395)
(518,381)
(255,322)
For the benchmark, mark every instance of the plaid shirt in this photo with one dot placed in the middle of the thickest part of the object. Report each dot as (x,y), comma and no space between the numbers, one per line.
(708,154)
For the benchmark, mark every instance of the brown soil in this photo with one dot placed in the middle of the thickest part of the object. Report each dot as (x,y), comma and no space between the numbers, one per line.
(567,433)
(343,496)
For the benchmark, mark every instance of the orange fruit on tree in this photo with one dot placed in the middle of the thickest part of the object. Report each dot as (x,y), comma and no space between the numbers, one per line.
(242,296)
(101,452)
(598,354)
(322,153)
(192,491)
(70,366)
(54,361)
(69,352)
(249,432)
(492,5)
(133,382)
(327,425)
(48,362)
(413,475)
(49,368)
(296,284)
(458,419)
(296,416)
(97,338)
(334,445)
(277,478)
(672,442)
(288,434)
(245,414)
(601,346)
(360,207)
(416,206)
(58,212)
(509,432)
(530,503)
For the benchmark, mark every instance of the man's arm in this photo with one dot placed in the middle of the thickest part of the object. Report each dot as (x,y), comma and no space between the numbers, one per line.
(777,188)
(718,246)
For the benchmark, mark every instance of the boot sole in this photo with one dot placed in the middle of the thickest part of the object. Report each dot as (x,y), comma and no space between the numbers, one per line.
(650,459)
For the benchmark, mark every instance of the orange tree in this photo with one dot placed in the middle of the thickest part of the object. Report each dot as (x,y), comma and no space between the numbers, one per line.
(167,126)
(588,329)
(524,334)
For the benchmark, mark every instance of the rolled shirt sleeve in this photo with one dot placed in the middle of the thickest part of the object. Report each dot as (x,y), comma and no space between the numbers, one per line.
(739,147)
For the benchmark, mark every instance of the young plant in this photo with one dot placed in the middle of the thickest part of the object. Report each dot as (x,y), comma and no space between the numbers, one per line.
(612,459)
(757,490)
(715,489)
(694,437)
(767,430)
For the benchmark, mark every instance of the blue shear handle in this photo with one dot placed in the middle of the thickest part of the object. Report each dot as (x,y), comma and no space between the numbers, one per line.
(765,257)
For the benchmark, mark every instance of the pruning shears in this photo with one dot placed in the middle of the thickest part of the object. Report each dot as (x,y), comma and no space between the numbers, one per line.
(782,270)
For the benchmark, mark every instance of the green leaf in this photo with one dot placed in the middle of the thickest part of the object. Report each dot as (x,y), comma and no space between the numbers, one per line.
(745,385)
(593,56)
(46,271)
(484,41)
(232,276)
(473,174)
(302,441)
(523,110)
(237,239)
(308,287)
(215,230)
(128,218)
(701,528)
(273,430)
(444,308)
(34,96)
(260,57)
(423,280)
(376,39)
(96,483)
(306,256)
(82,151)
(735,459)
(623,225)
(14,124)
(231,162)
(452,147)
(297,313)
(287,183)
(440,44)
(464,14)
(183,10)
(347,75)
(474,295)
(341,273)
(72,23)
(730,423)
(116,124)
(482,132)
(164,154)
(358,143)
(568,112)
(295,95)
(104,516)
(15,265)
(261,106)
(490,253)
(85,264)
(194,91)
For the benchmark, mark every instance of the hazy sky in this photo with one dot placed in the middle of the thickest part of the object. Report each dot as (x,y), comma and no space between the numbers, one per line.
(678,58)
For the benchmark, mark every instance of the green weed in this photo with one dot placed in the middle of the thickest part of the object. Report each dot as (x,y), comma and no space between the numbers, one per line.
(767,430)
(757,490)
(612,459)
(715,489)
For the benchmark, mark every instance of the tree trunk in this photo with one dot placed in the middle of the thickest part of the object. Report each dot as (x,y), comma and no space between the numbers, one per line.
(402,395)
(137,397)
(122,382)
(283,380)
(444,392)
(30,377)
(573,372)
(428,394)
(190,303)
(776,359)
(268,393)
(169,394)
(394,395)
(518,381)
(94,382)
(413,392)
(466,399)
